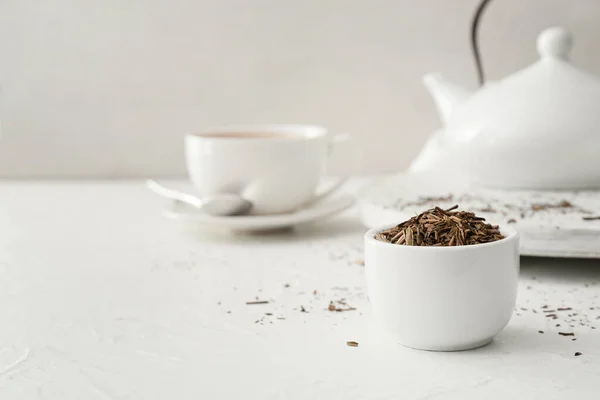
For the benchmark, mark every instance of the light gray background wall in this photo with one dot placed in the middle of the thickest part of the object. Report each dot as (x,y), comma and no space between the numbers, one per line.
(108,88)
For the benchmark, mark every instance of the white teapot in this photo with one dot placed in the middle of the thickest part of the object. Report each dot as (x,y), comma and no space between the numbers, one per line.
(536,129)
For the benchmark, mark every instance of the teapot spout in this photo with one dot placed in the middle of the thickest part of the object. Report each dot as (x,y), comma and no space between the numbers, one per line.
(447,95)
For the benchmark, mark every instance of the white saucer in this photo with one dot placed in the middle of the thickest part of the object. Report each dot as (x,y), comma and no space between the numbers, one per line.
(327,207)
(552,232)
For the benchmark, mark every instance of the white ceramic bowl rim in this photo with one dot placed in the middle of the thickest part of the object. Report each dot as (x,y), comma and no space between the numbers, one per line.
(509,235)
(300,132)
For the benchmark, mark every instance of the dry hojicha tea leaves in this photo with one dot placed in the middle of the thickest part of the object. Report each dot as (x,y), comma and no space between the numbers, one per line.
(438,227)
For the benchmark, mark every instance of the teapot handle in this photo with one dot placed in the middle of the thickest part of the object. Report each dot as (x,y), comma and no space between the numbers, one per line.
(475,39)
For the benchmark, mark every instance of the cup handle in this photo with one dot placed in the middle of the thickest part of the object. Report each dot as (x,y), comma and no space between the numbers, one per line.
(336,140)
(320,195)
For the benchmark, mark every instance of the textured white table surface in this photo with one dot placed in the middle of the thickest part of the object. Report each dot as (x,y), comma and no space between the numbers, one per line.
(102,298)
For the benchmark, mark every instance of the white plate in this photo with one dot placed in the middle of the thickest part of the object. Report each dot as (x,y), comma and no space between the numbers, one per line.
(317,212)
(552,232)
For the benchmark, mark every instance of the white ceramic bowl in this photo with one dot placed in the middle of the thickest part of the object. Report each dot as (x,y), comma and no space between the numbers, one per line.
(442,298)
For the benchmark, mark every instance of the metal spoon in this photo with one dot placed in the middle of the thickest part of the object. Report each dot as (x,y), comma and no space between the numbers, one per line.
(224,204)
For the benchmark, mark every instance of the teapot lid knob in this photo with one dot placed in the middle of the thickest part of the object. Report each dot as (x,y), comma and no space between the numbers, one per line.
(555,43)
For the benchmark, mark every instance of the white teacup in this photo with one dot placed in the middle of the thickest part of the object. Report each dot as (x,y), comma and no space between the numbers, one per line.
(276,167)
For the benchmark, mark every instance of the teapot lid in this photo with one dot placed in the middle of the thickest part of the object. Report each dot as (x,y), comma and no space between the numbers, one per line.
(549,98)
